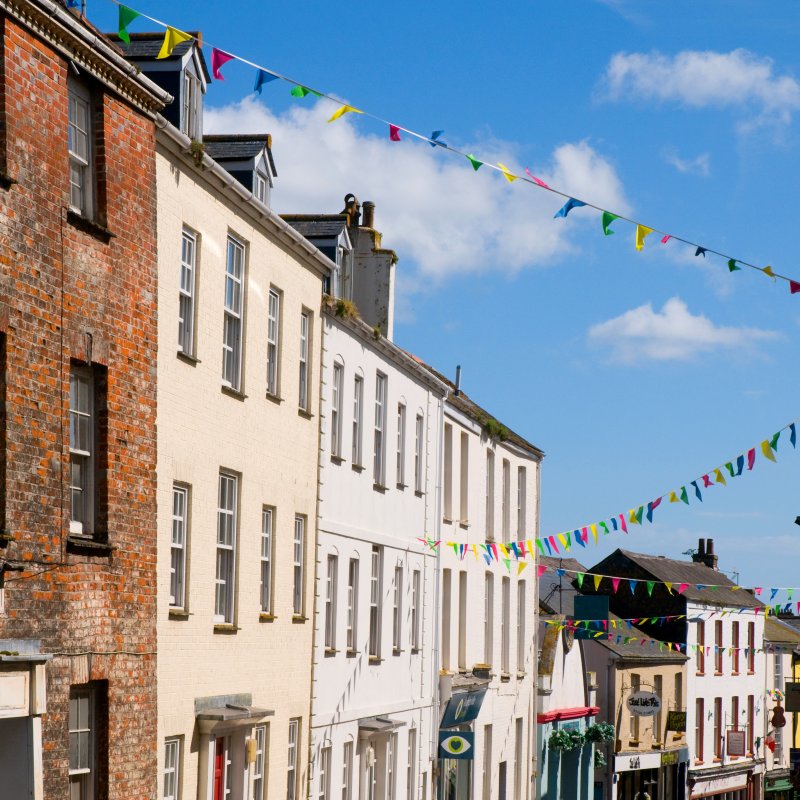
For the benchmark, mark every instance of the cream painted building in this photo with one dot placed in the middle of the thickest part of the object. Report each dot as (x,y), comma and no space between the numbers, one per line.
(238,377)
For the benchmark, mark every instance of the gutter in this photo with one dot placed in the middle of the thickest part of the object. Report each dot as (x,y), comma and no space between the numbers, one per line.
(260,214)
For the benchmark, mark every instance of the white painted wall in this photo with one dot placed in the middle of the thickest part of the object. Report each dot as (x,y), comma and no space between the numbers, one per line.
(268,443)
(355,515)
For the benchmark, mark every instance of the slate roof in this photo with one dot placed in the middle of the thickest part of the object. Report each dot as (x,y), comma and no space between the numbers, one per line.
(781,631)
(676,572)
(567,591)
(637,650)
(235,147)
(146,46)
(316,226)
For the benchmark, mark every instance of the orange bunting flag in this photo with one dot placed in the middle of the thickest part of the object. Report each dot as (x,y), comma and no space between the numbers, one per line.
(767,450)
(172,38)
(340,112)
(641,232)
(505,170)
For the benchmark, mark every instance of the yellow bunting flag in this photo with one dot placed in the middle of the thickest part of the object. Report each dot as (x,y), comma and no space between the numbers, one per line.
(673,498)
(475,551)
(767,450)
(719,477)
(632,518)
(563,540)
(768,271)
(340,112)
(597,579)
(593,528)
(505,170)
(641,232)
(669,586)
(503,550)
(521,566)
(172,38)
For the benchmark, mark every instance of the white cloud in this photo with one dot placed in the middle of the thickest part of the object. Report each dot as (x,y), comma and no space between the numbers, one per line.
(699,165)
(430,205)
(701,79)
(672,334)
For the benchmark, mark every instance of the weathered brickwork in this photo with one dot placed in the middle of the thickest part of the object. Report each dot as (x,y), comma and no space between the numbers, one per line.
(72,291)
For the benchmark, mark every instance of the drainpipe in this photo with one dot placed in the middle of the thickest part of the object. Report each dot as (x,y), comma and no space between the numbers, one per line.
(535,670)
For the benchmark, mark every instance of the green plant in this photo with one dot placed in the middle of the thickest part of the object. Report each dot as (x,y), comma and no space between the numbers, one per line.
(599,759)
(345,309)
(600,732)
(376,332)
(566,740)
(493,429)
(197,150)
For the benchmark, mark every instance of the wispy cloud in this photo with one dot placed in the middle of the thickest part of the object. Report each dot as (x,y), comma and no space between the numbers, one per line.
(702,79)
(699,165)
(672,334)
(432,208)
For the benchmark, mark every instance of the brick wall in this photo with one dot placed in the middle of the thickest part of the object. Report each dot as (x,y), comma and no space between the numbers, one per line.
(70,291)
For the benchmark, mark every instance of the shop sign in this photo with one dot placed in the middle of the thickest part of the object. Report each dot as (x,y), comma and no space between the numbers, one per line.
(669,758)
(676,721)
(462,707)
(457,745)
(644,704)
(736,745)
(634,761)
(792,696)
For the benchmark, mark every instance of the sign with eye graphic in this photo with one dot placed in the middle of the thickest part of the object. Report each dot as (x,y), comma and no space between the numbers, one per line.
(456,744)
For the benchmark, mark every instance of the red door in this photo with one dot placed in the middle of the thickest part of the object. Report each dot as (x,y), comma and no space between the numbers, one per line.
(219,769)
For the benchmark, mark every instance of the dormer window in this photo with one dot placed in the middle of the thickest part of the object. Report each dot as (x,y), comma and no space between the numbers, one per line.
(190,111)
(261,188)
(345,264)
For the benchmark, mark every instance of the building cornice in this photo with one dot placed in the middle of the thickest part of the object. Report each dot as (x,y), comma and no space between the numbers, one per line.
(219,180)
(89,51)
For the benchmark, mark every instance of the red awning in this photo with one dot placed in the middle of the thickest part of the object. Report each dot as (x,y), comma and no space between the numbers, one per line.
(568,713)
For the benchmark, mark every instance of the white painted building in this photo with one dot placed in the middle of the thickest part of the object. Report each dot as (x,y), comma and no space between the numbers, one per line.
(238,412)
(490,493)
(374,713)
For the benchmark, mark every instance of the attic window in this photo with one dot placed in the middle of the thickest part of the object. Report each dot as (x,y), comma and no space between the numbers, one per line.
(261,188)
(190,111)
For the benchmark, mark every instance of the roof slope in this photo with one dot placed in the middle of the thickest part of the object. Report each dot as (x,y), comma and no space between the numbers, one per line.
(635,649)
(548,582)
(780,631)
(236,147)
(314,226)
(146,47)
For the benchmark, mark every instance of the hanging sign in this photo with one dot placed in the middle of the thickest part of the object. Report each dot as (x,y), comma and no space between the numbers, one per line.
(462,707)
(644,704)
(456,744)
(676,721)
(792,696)
(736,745)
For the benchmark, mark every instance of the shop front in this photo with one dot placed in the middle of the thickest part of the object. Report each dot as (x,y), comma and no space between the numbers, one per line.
(778,785)
(725,782)
(657,775)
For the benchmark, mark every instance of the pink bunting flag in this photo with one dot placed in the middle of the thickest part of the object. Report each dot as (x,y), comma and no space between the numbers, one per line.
(682,588)
(665,239)
(536,180)
(751,458)
(794,287)
(622,522)
(541,569)
(394,133)
(615,584)
(758,590)
(218,58)
(707,482)
(552,540)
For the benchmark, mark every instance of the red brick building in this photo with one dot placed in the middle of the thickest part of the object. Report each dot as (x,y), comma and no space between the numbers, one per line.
(77,412)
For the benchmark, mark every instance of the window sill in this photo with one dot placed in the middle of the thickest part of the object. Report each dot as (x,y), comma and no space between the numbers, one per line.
(462,523)
(375,660)
(6,181)
(504,677)
(717,674)
(330,651)
(633,742)
(402,486)
(716,760)
(419,493)
(264,617)
(231,392)
(699,674)
(351,653)
(397,651)
(336,459)
(698,762)
(5,538)
(89,226)
(274,398)
(447,520)
(301,412)
(357,467)
(225,627)
(86,545)
(299,619)
(178,614)
(379,487)
(520,675)
(187,358)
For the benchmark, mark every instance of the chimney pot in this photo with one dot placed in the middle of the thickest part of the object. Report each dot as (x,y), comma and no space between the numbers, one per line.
(368,214)
(710,547)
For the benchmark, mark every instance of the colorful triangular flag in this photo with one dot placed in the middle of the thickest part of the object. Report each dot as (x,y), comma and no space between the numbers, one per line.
(608,218)
(641,232)
(568,206)
(262,78)
(172,38)
(218,58)
(126,16)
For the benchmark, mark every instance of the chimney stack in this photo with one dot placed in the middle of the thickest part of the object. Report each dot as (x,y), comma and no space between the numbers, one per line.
(705,553)
(368,214)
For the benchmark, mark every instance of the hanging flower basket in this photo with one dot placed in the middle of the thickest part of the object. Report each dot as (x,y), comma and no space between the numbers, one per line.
(599,760)
(564,741)
(600,732)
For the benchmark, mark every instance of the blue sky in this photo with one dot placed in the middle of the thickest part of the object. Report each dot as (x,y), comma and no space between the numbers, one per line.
(635,372)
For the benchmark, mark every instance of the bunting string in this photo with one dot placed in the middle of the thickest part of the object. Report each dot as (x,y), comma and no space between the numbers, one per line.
(174,36)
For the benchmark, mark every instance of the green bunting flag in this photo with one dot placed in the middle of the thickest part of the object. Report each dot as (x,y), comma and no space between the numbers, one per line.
(126,16)
(579,578)
(729,467)
(684,496)
(732,265)
(476,165)
(650,586)
(773,442)
(303,91)
(608,218)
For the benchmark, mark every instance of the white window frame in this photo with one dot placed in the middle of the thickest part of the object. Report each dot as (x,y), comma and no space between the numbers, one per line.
(416,587)
(179,546)
(401,446)
(506,499)
(521,609)
(261,188)
(267,559)
(375,601)
(273,342)
(298,566)
(397,611)
(233,323)
(172,768)
(462,620)
(522,477)
(448,473)
(186,292)
(419,453)
(331,583)
(505,625)
(82,443)
(324,773)
(304,385)
(352,605)
(487,762)
(347,771)
(190,117)
(337,383)
(488,618)
(358,414)
(83,726)
(259,782)
(391,766)
(411,768)
(227,529)
(490,494)
(80,138)
(292,773)
(379,441)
